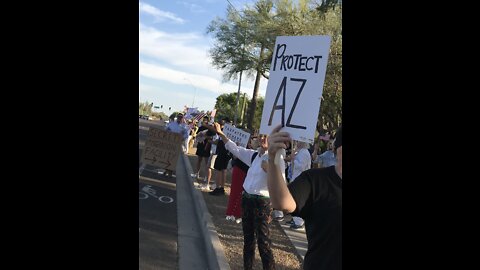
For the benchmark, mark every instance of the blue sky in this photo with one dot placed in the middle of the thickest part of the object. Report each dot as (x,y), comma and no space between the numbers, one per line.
(175,67)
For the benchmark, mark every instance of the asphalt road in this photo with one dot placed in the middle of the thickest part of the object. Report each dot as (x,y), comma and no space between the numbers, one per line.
(157,218)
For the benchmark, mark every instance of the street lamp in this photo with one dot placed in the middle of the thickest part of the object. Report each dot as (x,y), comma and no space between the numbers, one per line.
(195,93)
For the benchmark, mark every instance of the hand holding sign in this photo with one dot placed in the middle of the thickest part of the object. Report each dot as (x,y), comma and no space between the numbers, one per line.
(277,144)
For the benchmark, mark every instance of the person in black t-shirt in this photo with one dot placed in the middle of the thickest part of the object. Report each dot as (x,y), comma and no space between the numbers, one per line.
(315,196)
(204,137)
(221,163)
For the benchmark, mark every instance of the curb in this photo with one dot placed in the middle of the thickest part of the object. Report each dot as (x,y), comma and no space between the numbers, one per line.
(213,247)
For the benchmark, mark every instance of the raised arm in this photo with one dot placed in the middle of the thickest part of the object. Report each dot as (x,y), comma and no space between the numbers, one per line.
(279,194)
(245,155)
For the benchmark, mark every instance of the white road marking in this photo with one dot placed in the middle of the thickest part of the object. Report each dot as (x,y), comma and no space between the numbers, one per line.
(143,178)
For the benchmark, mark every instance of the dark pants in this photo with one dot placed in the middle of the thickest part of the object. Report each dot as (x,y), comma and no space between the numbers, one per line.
(257,214)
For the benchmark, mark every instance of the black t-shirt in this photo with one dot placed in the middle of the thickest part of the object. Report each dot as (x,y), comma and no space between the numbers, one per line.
(209,133)
(318,195)
(221,150)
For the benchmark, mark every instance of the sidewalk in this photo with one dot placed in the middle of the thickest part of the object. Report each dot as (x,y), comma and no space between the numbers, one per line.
(298,238)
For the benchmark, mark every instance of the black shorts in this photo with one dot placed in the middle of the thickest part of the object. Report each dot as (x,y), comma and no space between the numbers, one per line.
(221,163)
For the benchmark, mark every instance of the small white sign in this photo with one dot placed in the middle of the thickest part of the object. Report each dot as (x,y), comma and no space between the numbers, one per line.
(236,135)
(295,87)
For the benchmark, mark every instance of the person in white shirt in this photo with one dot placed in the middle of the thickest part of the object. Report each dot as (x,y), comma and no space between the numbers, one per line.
(256,206)
(301,161)
(327,158)
(178,126)
(188,127)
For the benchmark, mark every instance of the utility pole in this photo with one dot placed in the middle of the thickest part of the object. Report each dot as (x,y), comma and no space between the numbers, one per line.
(243,108)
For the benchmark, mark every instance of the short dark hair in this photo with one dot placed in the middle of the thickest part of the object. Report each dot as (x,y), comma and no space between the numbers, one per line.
(338,138)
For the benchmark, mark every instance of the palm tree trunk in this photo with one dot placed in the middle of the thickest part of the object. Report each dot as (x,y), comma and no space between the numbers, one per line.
(253,105)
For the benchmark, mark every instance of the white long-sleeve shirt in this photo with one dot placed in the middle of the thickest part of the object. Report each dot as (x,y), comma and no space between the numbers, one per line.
(178,128)
(256,179)
(301,162)
(327,159)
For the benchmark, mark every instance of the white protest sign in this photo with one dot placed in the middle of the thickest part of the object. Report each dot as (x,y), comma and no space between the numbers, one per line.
(236,135)
(295,86)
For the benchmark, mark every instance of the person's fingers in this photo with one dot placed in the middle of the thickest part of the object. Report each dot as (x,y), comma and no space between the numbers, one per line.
(279,145)
(273,148)
(279,137)
(283,135)
(276,140)
(276,129)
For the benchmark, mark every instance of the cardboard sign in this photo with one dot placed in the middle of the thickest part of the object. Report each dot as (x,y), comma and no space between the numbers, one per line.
(162,148)
(295,86)
(236,135)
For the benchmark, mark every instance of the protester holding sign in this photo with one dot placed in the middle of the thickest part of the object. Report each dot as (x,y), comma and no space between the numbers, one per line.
(178,126)
(221,163)
(203,145)
(316,196)
(257,209)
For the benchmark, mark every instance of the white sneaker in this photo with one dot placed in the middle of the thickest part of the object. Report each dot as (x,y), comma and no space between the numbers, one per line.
(238,220)
(205,187)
